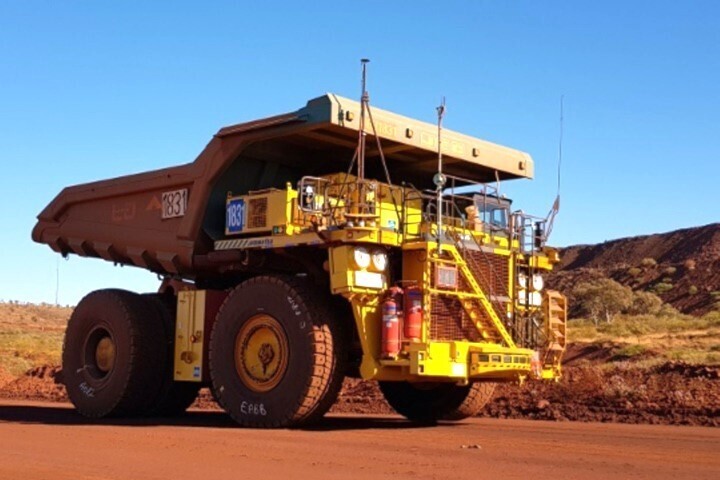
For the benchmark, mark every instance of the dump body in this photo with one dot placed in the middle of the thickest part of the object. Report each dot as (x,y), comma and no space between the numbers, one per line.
(168,220)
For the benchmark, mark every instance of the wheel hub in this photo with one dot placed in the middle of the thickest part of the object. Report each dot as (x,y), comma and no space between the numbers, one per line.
(261,353)
(105,354)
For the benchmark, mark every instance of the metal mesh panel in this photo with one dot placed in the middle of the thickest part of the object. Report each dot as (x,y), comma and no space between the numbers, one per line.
(490,268)
(257,212)
(450,321)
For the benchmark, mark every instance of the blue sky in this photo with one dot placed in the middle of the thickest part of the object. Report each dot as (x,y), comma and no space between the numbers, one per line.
(91,90)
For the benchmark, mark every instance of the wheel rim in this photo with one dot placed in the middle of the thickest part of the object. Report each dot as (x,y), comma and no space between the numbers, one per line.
(105,354)
(261,353)
(99,353)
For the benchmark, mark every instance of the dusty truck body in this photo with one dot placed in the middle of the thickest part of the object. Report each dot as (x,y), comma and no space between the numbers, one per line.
(284,271)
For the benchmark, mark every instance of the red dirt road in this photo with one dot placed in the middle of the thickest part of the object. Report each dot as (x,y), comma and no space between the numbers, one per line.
(50,441)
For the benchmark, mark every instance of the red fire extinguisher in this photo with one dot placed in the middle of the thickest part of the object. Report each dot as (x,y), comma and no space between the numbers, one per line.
(413,313)
(390,342)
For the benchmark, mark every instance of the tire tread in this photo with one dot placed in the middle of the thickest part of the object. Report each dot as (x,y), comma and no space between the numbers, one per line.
(326,339)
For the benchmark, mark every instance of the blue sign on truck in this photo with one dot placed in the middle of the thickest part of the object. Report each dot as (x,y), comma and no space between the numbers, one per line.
(235,215)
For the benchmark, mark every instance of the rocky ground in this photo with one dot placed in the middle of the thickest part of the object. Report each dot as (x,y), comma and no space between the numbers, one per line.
(686,262)
(591,390)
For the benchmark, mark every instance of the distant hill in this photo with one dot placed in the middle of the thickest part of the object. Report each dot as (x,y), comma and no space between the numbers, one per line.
(682,267)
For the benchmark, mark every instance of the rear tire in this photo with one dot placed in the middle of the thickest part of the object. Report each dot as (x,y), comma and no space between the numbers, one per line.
(277,353)
(173,397)
(110,355)
(429,402)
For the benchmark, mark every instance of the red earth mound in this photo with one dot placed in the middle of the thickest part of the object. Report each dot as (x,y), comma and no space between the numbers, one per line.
(687,259)
(671,393)
(39,383)
(5,377)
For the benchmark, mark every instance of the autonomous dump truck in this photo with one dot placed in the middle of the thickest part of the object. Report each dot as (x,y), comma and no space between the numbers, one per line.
(333,241)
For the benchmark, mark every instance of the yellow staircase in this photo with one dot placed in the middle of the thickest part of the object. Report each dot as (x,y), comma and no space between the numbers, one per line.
(555,313)
(470,304)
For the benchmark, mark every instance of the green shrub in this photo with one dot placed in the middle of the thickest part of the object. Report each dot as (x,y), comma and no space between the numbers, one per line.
(693,290)
(645,303)
(617,329)
(634,271)
(631,351)
(648,262)
(712,359)
(670,271)
(662,287)
(668,310)
(581,328)
(712,319)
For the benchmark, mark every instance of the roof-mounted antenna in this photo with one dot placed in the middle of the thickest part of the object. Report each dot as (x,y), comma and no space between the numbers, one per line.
(360,153)
(439,179)
(556,204)
(364,100)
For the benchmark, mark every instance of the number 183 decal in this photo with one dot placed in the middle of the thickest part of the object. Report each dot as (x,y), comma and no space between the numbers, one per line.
(174,204)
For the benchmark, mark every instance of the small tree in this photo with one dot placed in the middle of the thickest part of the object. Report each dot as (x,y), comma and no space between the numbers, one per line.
(645,303)
(602,298)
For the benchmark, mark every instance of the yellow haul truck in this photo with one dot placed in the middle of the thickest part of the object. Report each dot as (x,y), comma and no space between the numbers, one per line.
(299,249)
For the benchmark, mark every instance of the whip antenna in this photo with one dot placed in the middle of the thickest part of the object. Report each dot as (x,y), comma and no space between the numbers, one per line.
(560,142)
(364,100)
(556,204)
(439,178)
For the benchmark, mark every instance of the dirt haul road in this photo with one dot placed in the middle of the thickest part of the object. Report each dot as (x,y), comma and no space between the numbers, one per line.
(50,441)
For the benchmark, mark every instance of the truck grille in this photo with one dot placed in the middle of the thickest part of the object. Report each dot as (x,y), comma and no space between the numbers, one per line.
(449,320)
(490,268)
(257,213)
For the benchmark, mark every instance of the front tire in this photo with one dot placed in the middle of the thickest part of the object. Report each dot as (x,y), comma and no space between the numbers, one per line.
(430,402)
(277,353)
(110,355)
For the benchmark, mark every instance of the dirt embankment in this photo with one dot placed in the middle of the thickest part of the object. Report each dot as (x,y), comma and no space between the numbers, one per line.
(591,390)
(686,262)
(39,383)
(5,377)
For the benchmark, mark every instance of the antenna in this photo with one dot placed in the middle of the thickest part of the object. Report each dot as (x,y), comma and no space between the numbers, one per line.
(439,178)
(364,100)
(556,204)
(560,142)
(365,190)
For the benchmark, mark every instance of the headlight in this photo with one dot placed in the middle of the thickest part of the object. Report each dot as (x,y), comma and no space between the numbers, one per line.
(379,260)
(537,282)
(522,280)
(361,257)
(522,296)
(535,299)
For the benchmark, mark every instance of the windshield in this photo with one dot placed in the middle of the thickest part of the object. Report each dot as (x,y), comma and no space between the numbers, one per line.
(492,211)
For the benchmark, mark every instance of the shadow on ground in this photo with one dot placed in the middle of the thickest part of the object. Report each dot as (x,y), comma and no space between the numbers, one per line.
(62,415)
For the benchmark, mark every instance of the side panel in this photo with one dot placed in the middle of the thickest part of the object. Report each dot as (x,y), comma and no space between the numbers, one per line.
(196,312)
